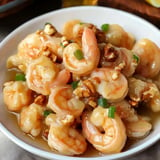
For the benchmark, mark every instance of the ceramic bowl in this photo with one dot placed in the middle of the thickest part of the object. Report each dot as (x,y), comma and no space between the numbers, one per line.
(96,15)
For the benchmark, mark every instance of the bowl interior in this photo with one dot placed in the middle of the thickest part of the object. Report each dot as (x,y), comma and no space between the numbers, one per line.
(96,15)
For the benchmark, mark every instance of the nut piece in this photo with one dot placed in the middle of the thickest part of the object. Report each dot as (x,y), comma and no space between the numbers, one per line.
(49,29)
(115,75)
(120,66)
(64,41)
(68,119)
(41,99)
(85,89)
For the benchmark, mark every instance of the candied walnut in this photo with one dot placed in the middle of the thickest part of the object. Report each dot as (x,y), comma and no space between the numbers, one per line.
(110,53)
(150,92)
(49,29)
(101,36)
(67,119)
(140,90)
(85,89)
(45,134)
(41,100)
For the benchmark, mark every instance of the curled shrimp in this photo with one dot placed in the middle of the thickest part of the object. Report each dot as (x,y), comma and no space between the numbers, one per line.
(149,54)
(114,138)
(109,83)
(62,78)
(64,138)
(30,120)
(16,95)
(119,37)
(138,129)
(40,75)
(68,28)
(90,58)
(62,101)
(120,59)
(35,45)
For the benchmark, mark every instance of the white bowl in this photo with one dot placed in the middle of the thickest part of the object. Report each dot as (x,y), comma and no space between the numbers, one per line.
(96,15)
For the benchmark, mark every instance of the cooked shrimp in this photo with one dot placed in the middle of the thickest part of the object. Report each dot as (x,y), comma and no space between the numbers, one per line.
(74,29)
(37,44)
(16,95)
(125,111)
(120,59)
(119,37)
(62,78)
(62,119)
(114,138)
(109,83)
(30,120)
(149,54)
(90,53)
(40,75)
(66,139)
(141,90)
(138,129)
(62,101)
(68,28)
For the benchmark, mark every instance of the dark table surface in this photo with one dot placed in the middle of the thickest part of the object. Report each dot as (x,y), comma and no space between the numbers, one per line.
(8,24)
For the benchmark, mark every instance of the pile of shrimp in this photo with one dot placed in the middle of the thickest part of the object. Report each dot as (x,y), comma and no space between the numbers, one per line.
(65,75)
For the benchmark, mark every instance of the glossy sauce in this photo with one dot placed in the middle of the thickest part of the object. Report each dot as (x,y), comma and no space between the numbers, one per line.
(91,152)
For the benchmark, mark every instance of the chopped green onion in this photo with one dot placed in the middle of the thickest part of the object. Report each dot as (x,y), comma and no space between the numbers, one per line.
(61,44)
(111,111)
(103,102)
(74,84)
(47,112)
(20,77)
(105,27)
(136,58)
(78,54)
(81,23)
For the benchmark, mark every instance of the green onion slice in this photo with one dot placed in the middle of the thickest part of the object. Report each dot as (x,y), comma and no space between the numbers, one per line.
(81,23)
(103,102)
(20,77)
(111,111)
(105,27)
(78,54)
(74,84)
(136,58)
(47,112)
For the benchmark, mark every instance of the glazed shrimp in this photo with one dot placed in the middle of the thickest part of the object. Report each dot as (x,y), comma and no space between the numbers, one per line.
(30,120)
(40,75)
(117,36)
(149,54)
(90,53)
(68,28)
(125,111)
(138,129)
(109,83)
(62,78)
(62,101)
(66,139)
(16,95)
(37,44)
(114,138)
(120,59)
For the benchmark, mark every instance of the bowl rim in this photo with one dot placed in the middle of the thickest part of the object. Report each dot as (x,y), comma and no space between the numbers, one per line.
(50,155)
